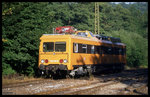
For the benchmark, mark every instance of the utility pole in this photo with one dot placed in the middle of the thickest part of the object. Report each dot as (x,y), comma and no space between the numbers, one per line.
(96,17)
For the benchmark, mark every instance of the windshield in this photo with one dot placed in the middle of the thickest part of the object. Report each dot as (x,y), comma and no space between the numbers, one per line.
(48,46)
(59,46)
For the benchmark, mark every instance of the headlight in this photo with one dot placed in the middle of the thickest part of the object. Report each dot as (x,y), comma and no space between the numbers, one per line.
(42,61)
(65,61)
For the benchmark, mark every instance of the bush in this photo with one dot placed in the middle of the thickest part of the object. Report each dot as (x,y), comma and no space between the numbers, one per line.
(24,22)
(136,47)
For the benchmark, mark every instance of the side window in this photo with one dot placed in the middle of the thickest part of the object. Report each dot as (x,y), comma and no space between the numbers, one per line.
(117,51)
(104,50)
(92,49)
(109,50)
(98,50)
(84,48)
(89,49)
(80,48)
(75,47)
(123,51)
(48,46)
(113,50)
(120,51)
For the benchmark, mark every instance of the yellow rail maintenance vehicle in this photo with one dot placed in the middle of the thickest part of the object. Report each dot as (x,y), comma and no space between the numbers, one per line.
(80,53)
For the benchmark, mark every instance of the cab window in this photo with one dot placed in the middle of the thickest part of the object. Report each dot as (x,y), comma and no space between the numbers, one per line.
(60,46)
(48,46)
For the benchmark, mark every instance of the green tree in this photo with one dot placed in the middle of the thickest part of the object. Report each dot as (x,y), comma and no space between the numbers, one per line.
(23,23)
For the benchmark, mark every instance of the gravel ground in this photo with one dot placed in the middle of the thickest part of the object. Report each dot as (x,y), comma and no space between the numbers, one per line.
(125,83)
(36,88)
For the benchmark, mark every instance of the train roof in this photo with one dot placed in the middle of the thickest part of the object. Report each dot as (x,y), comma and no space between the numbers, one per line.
(102,39)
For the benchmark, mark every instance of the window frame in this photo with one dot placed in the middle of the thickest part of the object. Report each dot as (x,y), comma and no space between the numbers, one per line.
(54,46)
(50,46)
(75,50)
(92,49)
(84,48)
(59,42)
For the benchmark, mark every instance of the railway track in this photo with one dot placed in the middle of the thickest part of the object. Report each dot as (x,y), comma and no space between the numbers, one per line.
(103,82)
(20,84)
(81,86)
(82,90)
(62,89)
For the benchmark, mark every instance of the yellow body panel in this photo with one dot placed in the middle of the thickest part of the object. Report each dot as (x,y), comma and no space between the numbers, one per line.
(75,58)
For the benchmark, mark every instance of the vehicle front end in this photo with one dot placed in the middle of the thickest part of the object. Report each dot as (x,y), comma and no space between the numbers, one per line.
(53,56)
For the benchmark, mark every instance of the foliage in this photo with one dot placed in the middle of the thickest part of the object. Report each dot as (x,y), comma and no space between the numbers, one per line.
(136,47)
(23,23)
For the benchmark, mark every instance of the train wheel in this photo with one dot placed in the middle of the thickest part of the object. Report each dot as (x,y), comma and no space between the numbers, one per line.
(41,73)
(113,68)
(122,67)
(67,75)
(63,73)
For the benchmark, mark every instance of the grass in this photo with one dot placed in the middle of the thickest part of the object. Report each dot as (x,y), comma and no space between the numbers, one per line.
(142,67)
(6,80)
